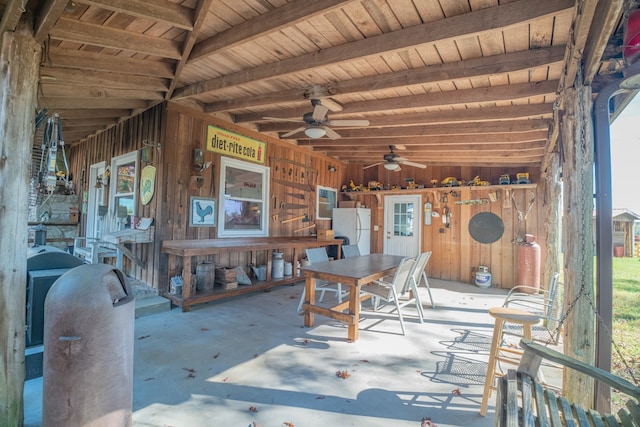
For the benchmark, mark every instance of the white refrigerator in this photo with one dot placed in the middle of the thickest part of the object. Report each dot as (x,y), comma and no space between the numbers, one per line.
(355,224)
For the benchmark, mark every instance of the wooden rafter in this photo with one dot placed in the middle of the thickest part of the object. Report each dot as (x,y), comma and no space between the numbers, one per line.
(473,23)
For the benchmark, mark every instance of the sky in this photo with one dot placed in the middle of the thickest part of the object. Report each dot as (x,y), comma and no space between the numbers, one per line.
(625,158)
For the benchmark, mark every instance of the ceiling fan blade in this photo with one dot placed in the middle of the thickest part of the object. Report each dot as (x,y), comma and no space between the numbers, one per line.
(319,112)
(331,133)
(354,123)
(291,133)
(332,105)
(415,165)
(375,164)
(280,119)
(400,158)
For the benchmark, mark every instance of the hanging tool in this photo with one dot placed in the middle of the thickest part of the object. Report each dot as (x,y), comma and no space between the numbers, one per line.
(304,228)
(304,218)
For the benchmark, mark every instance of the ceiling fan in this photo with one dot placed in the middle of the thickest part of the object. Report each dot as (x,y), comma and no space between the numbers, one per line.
(316,122)
(392,161)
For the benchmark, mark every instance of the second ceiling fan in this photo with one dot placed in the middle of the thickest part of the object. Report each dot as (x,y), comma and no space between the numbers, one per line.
(392,161)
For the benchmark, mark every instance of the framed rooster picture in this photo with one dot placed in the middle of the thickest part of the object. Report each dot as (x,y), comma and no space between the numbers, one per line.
(203,212)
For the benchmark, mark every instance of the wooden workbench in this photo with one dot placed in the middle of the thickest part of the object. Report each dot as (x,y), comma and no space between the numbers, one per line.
(180,262)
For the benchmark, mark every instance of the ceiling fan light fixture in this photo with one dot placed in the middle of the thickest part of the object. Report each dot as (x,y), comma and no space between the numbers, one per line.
(314,132)
(391,166)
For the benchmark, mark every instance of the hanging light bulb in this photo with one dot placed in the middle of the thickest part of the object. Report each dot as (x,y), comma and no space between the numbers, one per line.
(391,166)
(315,132)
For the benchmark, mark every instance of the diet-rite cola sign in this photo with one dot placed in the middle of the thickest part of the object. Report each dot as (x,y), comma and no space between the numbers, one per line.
(232,144)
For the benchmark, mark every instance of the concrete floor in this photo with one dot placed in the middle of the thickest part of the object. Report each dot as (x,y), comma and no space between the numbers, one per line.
(248,361)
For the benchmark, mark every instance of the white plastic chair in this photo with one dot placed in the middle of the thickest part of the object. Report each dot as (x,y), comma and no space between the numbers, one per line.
(350,251)
(397,291)
(317,255)
(418,274)
(545,303)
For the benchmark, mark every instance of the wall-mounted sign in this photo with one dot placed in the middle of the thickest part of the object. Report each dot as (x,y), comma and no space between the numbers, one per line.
(232,144)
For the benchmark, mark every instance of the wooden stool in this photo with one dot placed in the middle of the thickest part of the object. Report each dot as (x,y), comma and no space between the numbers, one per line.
(502,315)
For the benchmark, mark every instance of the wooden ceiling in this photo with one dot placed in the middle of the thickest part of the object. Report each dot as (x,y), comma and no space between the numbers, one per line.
(456,82)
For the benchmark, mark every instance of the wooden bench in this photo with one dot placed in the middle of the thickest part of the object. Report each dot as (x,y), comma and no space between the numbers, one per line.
(521,401)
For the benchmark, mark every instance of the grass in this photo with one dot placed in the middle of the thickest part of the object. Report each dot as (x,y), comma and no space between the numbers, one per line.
(626,321)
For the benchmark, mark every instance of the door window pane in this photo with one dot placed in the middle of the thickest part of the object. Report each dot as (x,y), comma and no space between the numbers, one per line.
(403,219)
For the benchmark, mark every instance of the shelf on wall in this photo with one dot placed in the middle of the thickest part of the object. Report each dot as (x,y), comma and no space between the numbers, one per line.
(379,193)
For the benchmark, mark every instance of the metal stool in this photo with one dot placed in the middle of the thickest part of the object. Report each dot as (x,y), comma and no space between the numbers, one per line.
(502,315)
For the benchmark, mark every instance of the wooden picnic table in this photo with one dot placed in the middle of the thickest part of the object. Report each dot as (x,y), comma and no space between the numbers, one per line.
(352,272)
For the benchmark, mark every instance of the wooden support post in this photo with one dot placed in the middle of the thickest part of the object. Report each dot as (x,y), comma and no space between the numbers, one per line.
(19,60)
(579,332)
(552,197)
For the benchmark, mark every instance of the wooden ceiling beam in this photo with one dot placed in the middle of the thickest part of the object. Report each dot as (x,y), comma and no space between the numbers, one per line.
(98,35)
(508,126)
(74,114)
(156,10)
(84,60)
(438,139)
(605,19)
(425,150)
(434,99)
(96,103)
(505,92)
(284,16)
(533,111)
(66,91)
(201,13)
(11,14)
(470,68)
(77,77)
(49,14)
(470,24)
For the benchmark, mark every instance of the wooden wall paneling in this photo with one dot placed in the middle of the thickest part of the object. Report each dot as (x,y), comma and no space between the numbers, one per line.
(510,251)
(496,248)
(466,244)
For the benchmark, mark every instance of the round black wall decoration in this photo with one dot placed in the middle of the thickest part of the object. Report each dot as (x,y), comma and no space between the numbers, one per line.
(486,227)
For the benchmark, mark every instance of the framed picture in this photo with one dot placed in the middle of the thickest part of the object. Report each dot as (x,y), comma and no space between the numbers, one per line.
(202,212)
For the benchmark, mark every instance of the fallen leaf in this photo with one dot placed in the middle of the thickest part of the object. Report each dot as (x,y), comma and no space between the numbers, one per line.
(225,380)
(143,337)
(253,409)
(215,356)
(342,374)
(288,424)
(457,392)
(364,361)
(192,376)
(204,329)
(190,370)
(426,422)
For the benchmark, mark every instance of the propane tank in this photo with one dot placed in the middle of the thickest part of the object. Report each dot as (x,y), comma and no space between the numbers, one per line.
(529,262)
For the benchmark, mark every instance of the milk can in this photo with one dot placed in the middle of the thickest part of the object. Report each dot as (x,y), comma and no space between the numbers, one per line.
(277,266)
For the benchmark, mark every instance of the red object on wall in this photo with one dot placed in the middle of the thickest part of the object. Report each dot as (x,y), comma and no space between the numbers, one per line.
(529,263)
(632,37)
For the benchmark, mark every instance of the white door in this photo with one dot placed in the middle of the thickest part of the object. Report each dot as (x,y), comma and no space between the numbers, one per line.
(96,198)
(402,219)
